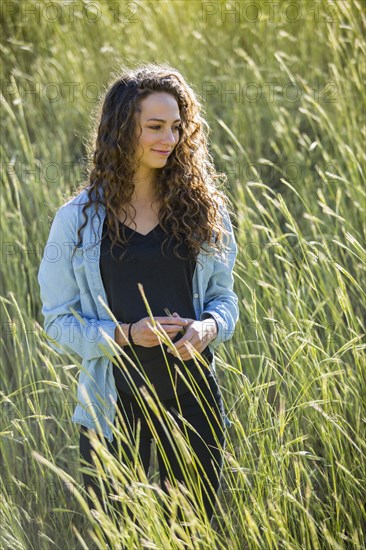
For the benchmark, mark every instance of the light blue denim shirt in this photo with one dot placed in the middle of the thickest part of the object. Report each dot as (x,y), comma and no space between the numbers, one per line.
(76,321)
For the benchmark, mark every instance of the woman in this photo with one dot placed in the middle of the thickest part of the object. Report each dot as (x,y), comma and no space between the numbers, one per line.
(151,214)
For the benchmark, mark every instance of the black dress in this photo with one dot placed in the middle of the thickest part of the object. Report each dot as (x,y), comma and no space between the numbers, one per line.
(167,283)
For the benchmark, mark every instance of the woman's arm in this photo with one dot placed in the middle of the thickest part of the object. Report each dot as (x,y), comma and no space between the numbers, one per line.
(60,294)
(221,302)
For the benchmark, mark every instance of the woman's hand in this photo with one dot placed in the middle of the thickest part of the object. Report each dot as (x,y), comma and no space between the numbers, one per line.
(142,335)
(198,333)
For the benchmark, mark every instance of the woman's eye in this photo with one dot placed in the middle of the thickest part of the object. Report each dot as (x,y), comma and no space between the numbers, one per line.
(158,127)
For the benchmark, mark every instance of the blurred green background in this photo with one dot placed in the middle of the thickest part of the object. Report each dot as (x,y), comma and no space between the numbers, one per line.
(282,87)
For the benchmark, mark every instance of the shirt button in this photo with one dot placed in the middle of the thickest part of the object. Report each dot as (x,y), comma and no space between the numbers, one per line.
(195,295)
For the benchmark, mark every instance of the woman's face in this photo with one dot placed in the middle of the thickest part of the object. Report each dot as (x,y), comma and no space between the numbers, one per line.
(160,121)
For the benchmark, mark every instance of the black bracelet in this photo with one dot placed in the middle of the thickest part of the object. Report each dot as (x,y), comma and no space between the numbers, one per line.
(129,334)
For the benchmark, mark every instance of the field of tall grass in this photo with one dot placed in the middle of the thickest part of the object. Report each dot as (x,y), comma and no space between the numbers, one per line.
(282,86)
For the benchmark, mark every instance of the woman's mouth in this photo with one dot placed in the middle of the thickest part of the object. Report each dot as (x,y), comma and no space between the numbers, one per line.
(166,153)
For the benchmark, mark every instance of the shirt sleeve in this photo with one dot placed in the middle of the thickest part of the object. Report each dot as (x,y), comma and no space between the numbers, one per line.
(67,330)
(221,302)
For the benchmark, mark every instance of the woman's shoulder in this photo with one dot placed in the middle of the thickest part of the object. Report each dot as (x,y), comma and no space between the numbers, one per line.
(78,199)
(67,217)
(73,206)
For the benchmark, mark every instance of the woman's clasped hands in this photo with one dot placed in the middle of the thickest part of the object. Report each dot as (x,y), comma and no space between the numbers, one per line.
(194,333)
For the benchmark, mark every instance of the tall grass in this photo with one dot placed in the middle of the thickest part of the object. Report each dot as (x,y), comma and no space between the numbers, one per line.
(293,376)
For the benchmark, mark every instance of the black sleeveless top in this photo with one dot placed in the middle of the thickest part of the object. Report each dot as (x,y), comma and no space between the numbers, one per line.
(167,283)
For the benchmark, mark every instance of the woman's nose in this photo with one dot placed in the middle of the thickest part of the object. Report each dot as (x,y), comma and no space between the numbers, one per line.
(169,137)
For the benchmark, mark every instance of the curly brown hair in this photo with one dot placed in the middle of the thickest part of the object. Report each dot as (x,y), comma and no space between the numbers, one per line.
(187,187)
